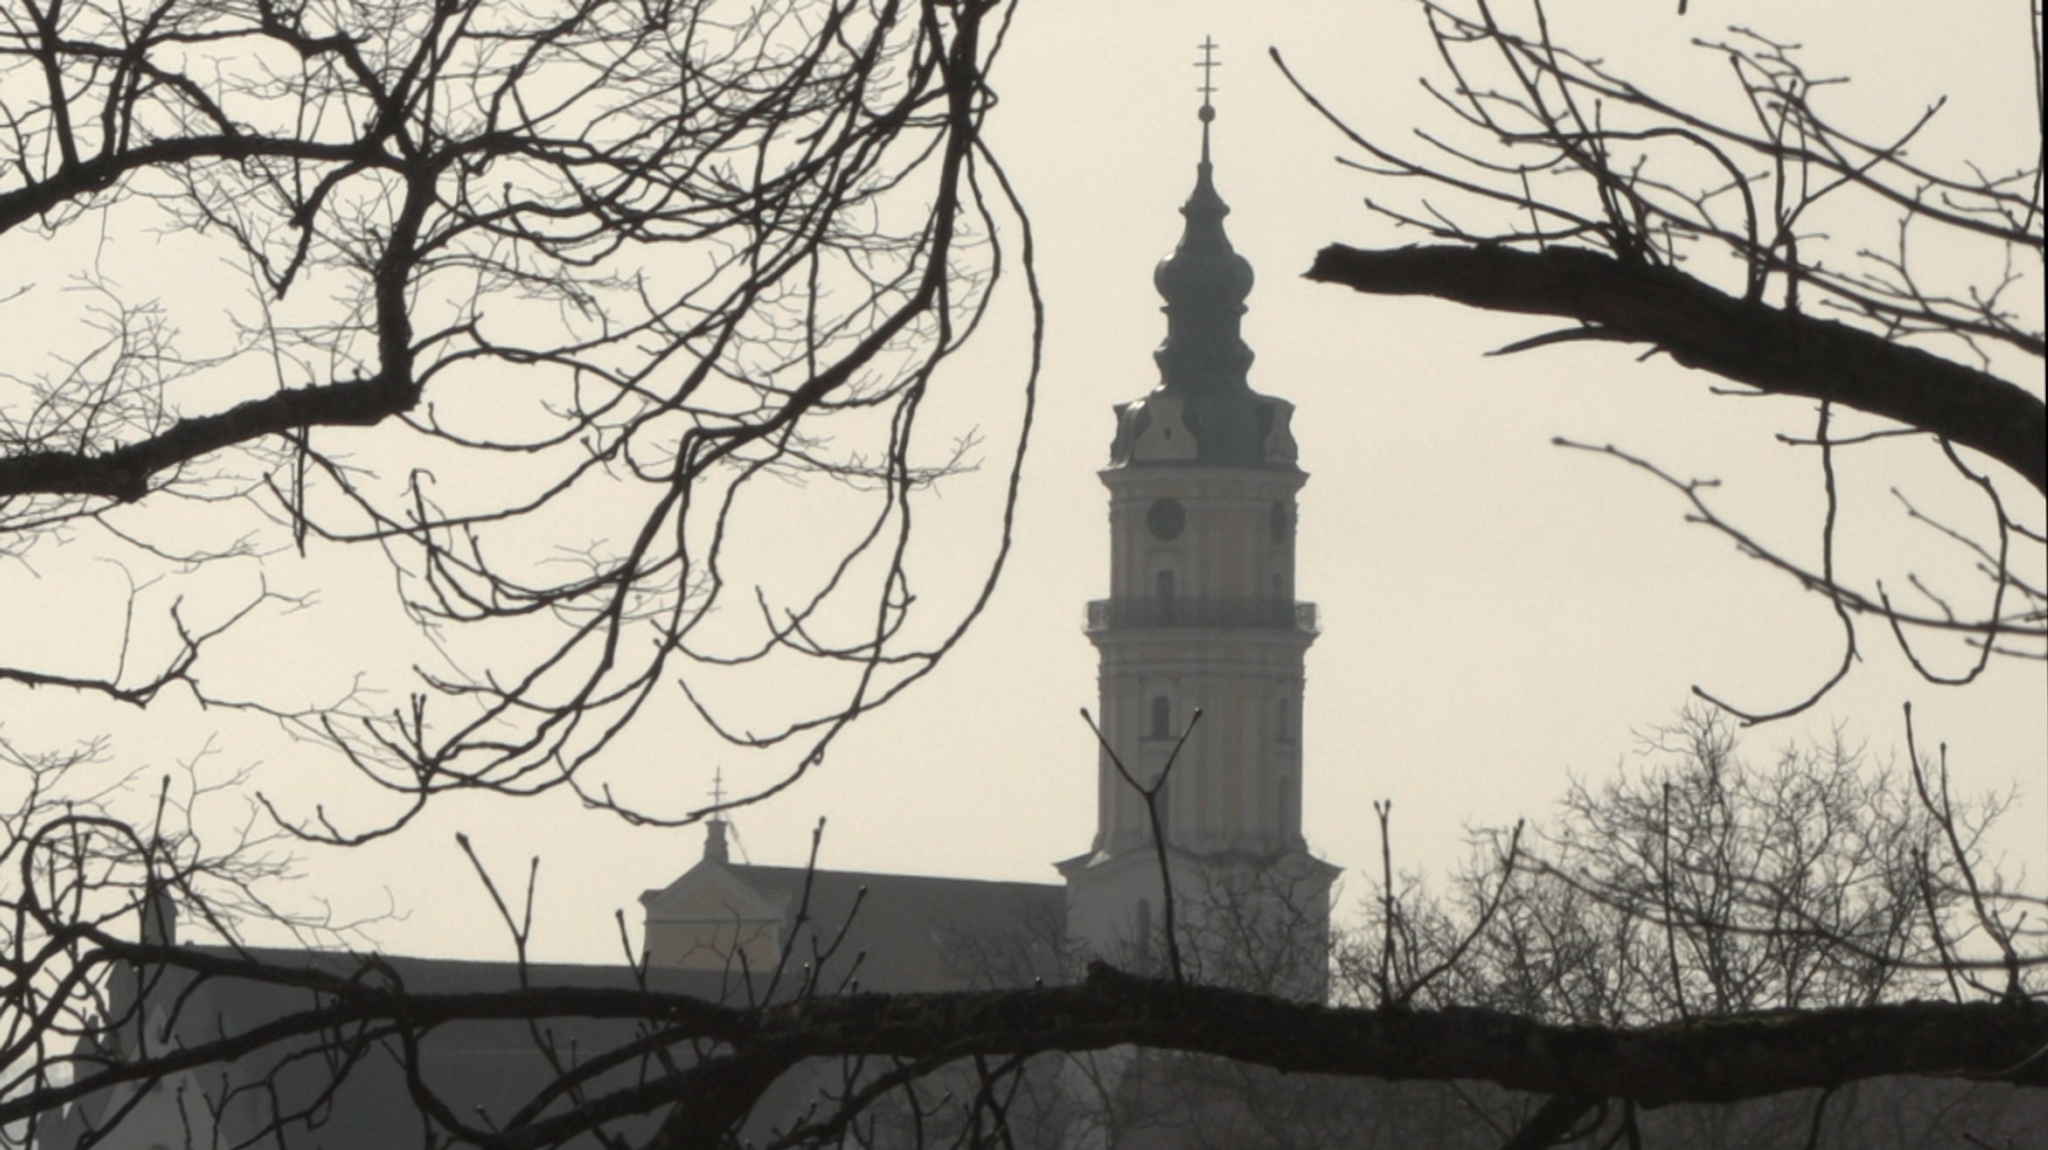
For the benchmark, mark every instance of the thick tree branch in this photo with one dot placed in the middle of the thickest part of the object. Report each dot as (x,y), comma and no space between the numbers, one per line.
(1705,1060)
(1776,351)
(124,473)
(75,181)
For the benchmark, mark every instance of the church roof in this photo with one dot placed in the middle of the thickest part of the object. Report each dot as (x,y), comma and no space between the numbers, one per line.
(895,932)
(910,933)
(485,1071)
(846,931)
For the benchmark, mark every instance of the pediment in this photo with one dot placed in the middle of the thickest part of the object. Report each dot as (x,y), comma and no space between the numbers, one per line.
(711,892)
(1162,433)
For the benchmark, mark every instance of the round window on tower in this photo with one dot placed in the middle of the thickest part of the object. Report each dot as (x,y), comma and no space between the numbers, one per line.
(1166,519)
(1281,522)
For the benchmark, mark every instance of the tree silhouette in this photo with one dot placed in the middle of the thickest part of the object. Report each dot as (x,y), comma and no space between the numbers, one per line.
(1559,186)
(532,300)
(528,301)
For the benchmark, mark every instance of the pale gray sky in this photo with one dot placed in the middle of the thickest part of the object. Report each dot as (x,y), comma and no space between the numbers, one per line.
(1498,613)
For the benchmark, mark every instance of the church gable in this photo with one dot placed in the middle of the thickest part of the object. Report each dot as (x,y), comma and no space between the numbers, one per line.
(712,919)
(710,890)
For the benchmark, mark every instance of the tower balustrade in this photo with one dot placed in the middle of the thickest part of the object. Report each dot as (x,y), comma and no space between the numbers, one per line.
(1147,612)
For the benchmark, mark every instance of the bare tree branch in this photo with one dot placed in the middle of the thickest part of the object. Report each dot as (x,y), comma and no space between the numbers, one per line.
(1750,342)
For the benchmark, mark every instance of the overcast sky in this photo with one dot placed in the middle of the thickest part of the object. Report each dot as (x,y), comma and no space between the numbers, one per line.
(1498,614)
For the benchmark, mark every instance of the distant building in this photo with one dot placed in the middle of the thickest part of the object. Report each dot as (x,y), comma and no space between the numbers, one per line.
(1201,617)
(1202,620)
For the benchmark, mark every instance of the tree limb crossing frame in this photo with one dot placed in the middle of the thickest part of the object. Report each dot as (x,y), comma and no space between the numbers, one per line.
(1776,351)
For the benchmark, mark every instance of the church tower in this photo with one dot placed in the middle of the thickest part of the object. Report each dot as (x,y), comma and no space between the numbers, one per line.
(1201,617)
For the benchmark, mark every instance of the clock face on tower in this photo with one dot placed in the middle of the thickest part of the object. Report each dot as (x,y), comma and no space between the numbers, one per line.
(1166,518)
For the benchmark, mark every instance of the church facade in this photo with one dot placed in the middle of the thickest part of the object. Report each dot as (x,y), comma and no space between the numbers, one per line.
(1201,644)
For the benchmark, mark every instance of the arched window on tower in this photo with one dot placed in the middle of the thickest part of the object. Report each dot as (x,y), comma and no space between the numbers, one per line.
(1163,595)
(1161,726)
(1283,720)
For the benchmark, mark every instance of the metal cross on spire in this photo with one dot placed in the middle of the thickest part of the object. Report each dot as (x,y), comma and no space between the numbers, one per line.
(1208,64)
(716,827)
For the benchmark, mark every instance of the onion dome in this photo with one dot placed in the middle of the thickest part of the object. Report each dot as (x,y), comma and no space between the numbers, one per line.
(1204,412)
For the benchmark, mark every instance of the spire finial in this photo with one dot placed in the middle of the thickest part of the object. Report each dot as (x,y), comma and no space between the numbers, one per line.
(1208,64)
(715,849)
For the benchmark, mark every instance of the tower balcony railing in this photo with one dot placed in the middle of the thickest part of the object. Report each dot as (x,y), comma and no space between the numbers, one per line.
(1272,614)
